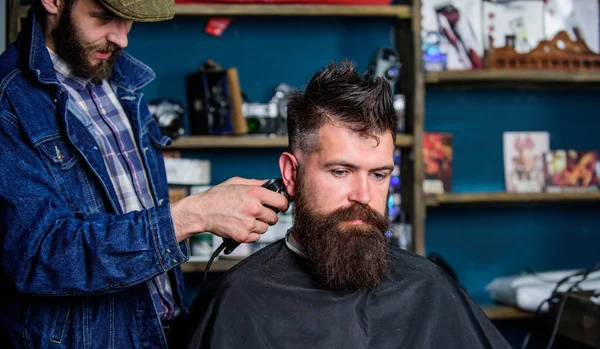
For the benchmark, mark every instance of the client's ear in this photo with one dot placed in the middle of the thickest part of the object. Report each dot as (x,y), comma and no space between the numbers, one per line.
(288,165)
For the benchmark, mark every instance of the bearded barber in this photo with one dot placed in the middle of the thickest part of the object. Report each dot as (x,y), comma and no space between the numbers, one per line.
(90,244)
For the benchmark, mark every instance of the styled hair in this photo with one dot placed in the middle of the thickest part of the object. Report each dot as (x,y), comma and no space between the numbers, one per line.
(338,94)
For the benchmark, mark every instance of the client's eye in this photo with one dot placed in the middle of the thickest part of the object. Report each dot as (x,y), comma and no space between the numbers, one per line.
(339,173)
(380,175)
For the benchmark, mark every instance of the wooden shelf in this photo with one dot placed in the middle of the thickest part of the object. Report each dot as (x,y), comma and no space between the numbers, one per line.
(395,11)
(259,141)
(201,142)
(529,76)
(220,265)
(499,312)
(500,197)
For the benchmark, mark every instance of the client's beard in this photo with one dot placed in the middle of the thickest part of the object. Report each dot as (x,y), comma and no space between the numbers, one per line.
(343,256)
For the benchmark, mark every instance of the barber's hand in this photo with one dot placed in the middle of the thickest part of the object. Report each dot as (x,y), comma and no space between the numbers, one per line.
(233,209)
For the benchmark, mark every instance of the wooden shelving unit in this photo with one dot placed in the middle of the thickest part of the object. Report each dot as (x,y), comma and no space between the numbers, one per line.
(408,42)
(510,198)
(397,11)
(499,312)
(507,76)
(260,141)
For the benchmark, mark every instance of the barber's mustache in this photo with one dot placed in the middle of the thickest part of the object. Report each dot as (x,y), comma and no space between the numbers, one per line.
(107,48)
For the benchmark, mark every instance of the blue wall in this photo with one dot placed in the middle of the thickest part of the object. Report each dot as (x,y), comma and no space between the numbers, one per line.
(479,242)
(266,51)
(483,242)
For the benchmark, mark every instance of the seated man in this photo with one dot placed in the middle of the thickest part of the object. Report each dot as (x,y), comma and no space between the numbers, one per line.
(335,281)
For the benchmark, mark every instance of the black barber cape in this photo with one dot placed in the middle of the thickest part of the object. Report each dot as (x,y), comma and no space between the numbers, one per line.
(270,300)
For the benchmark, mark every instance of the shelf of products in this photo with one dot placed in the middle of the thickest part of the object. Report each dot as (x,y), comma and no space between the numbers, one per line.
(500,197)
(259,141)
(398,11)
(530,76)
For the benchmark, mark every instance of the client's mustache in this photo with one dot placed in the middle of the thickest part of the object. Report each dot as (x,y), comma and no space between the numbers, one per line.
(362,212)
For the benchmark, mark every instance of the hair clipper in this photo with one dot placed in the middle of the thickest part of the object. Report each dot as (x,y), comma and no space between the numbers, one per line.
(274,184)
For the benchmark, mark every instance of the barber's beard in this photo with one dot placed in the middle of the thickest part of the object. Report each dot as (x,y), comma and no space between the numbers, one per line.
(343,256)
(71,47)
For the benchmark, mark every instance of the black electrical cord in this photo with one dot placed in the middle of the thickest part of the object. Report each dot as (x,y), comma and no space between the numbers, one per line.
(583,273)
(564,301)
(274,184)
(212,258)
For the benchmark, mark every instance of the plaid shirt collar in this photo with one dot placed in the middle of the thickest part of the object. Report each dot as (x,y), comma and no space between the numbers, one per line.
(65,73)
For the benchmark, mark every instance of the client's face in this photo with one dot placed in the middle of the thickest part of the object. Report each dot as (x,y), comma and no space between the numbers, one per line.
(340,209)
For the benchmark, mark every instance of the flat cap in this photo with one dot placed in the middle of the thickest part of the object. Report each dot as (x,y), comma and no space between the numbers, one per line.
(141,10)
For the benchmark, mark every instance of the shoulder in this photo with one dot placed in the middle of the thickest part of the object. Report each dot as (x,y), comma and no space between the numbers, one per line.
(255,269)
(412,263)
(8,60)
(410,267)
(9,68)
(245,281)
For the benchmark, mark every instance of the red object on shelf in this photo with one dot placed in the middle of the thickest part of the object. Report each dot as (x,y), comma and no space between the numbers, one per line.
(314,2)
(216,26)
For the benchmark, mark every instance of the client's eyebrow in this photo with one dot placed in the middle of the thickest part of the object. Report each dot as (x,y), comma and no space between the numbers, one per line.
(352,166)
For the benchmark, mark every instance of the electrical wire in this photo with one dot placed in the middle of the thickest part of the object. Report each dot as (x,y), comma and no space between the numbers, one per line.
(535,316)
(538,276)
(212,258)
(564,301)
(584,274)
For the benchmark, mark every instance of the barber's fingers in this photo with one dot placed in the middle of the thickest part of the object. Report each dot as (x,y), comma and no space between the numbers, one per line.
(245,181)
(251,231)
(260,227)
(273,199)
(253,237)
(268,216)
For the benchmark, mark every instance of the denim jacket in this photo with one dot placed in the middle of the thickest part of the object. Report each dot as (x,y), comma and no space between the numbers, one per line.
(74,267)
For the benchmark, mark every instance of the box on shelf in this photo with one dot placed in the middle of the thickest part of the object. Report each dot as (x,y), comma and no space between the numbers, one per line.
(523,154)
(571,171)
(177,193)
(202,246)
(214,101)
(196,189)
(519,23)
(182,171)
(451,35)
(437,161)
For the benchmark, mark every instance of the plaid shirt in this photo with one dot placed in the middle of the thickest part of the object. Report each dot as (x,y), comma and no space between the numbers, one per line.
(97,101)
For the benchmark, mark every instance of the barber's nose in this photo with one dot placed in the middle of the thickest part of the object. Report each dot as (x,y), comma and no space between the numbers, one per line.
(118,34)
(360,190)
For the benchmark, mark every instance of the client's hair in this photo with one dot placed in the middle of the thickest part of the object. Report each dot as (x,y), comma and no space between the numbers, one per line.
(340,95)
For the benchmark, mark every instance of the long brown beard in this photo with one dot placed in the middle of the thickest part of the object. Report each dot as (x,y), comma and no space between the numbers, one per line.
(70,47)
(343,256)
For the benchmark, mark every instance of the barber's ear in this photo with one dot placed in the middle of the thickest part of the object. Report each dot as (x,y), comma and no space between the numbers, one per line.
(288,165)
(53,6)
